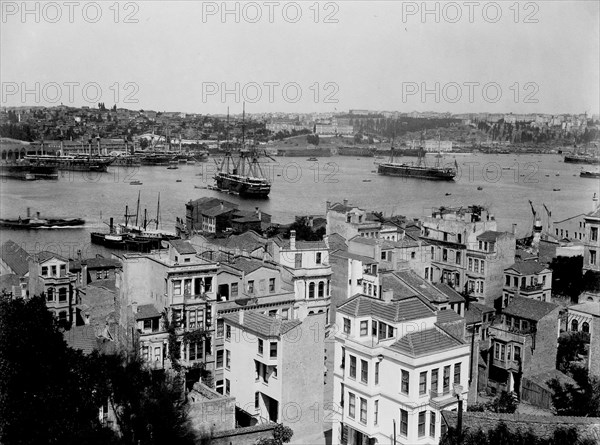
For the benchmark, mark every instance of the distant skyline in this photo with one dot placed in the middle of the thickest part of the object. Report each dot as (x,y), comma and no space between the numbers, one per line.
(378,56)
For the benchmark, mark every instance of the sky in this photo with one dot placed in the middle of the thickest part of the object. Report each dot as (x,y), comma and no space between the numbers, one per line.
(202,57)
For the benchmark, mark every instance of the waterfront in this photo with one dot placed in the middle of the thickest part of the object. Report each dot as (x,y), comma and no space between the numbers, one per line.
(299,187)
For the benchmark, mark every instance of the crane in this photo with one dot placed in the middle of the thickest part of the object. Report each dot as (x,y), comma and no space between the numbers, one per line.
(549,213)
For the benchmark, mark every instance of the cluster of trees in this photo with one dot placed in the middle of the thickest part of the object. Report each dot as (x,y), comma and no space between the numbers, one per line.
(398,127)
(304,232)
(17,131)
(579,399)
(503,435)
(503,403)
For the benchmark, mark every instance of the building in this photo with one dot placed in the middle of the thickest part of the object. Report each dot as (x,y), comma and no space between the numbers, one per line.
(585,317)
(49,275)
(287,357)
(478,318)
(350,221)
(208,215)
(528,279)
(94,269)
(450,231)
(523,343)
(180,284)
(486,260)
(433,145)
(570,228)
(592,241)
(14,259)
(397,367)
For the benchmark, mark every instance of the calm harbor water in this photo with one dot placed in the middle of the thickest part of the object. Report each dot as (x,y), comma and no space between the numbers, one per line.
(299,187)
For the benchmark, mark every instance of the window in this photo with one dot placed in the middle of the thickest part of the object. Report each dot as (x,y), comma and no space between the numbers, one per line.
(321,289)
(187,287)
(219,386)
(445,254)
(377,373)
(476,266)
(192,319)
(220,326)
(434,380)
(499,351)
(227,332)
(592,257)
(446,382)
(352,367)
(256,400)
(271,284)
(517,353)
(403,422)
(227,359)
(404,387)
(219,359)
(364,371)
(207,284)
(145,353)
(458,257)
(234,289)
(422,383)
(351,405)
(482,266)
(50,294)
(421,430)
(176,287)
(507,281)
(515,282)
(62,294)
(260,346)
(470,264)
(227,386)
(585,327)
(432,424)
(195,350)
(98,274)
(311,290)
(593,233)
(376,412)
(273,313)
(318,259)
(574,325)
(383,255)
(364,328)
(298,261)
(44,271)
(251,286)
(284,314)
(457,373)
(363,410)
(347,328)
(53,268)
(62,316)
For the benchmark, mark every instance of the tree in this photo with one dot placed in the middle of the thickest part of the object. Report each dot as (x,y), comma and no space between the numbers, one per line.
(503,403)
(304,232)
(570,346)
(281,434)
(581,399)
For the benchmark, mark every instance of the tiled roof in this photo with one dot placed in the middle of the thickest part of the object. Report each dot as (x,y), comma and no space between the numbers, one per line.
(108,284)
(354,256)
(44,256)
(448,316)
(82,338)
(474,313)
(7,281)
(340,208)
(527,267)
(589,307)
(145,311)
(418,286)
(452,294)
(425,342)
(182,247)
(394,311)
(528,308)
(15,257)
(94,263)
(262,324)
(337,242)
(364,240)
(490,236)
(301,245)
(249,265)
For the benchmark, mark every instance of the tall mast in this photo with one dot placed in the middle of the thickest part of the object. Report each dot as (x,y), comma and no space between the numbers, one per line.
(158,211)
(137,210)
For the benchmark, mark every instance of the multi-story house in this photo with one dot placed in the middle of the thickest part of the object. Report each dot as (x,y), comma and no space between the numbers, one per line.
(395,369)
(523,343)
(274,369)
(486,260)
(350,221)
(585,317)
(450,231)
(570,228)
(528,279)
(305,264)
(49,275)
(179,283)
(592,241)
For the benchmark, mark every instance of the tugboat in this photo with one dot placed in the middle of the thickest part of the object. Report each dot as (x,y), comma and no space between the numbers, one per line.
(40,223)
(420,171)
(244,175)
(589,174)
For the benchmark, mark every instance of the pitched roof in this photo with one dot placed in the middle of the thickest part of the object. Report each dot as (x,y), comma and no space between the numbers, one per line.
(44,255)
(262,324)
(337,242)
(527,267)
(301,245)
(182,247)
(448,316)
(340,208)
(15,257)
(354,256)
(82,338)
(451,293)
(425,342)
(145,311)
(412,308)
(249,265)
(407,282)
(589,307)
(528,308)
(490,235)
(94,263)
(475,311)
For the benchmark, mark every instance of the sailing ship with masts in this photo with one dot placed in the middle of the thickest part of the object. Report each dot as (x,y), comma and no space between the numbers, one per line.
(242,174)
(420,170)
(87,162)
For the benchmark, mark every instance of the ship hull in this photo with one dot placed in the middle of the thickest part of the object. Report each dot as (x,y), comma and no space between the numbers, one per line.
(28,172)
(582,160)
(408,171)
(29,224)
(78,164)
(242,187)
(595,175)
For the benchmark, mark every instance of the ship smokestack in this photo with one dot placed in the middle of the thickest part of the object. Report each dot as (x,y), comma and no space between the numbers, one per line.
(514,229)
(28,212)
(111,225)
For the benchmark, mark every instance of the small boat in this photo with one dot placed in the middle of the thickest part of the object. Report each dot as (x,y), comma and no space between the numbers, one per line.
(312,159)
(178,180)
(589,174)
(556,190)
(366,180)
(479,188)
(136,183)
(172,167)
(558,174)
(40,223)
(547,176)
(448,194)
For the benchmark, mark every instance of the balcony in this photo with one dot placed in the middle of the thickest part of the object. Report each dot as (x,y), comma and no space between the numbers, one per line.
(440,400)
(509,365)
(189,298)
(507,333)
(531,288)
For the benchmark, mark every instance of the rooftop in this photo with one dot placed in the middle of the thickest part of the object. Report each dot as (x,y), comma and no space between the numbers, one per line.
(426,342)
(146,311)
(412,308)
(527,267)
(528,308)
(354,256)
(249,265)
(82,338)
(448,316)
(182,247)
(15,257)
(94,263)
(475,311)
(491,236)
(262,324)
(589,307)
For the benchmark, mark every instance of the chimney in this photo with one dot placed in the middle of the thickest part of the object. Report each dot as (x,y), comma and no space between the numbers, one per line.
(258,214)
(293,240)
(345,202)
(37,214)
(241,313)
(222,205)
(28,212)
(594,202)
(387,295)
(327,205)
(514,229)
(310,222)
(79,254)
(134,307)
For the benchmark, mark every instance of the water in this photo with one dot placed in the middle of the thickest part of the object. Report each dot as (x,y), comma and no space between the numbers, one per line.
(299,187)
